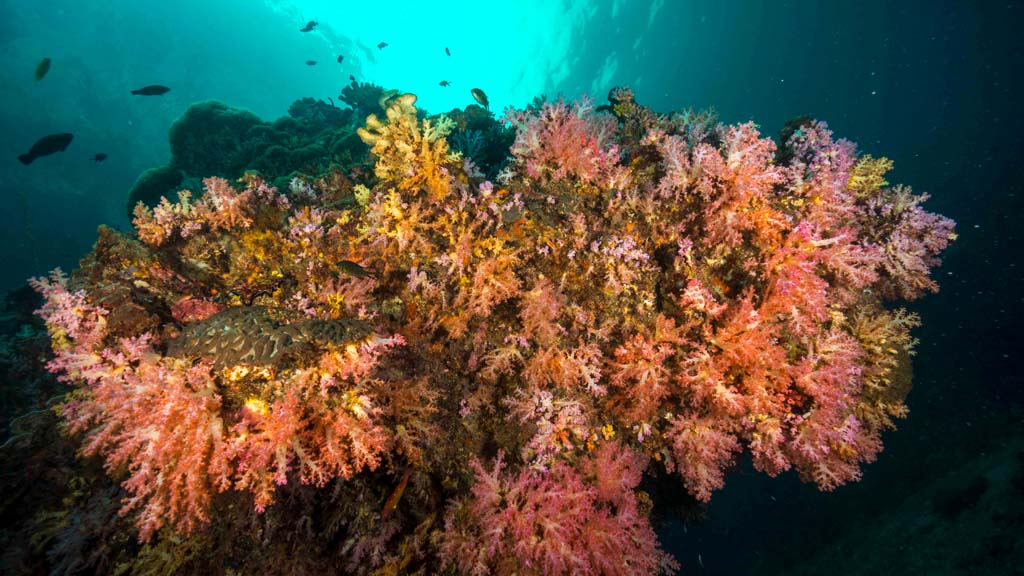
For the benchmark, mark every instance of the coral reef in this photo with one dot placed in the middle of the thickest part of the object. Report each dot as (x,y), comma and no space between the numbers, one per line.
(214,139)
(434,369)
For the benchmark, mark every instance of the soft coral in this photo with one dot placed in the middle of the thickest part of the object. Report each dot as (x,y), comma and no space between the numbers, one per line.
(560,140)
(553,522)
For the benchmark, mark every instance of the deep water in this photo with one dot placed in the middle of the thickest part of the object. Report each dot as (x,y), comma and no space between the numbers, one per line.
(935,86)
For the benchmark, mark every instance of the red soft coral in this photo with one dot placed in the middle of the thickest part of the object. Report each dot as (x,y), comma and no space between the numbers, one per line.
(828,441)
(223,207)
(818,173)
(556,423)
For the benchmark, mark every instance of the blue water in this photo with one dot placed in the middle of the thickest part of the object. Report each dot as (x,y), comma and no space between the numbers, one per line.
(932,85)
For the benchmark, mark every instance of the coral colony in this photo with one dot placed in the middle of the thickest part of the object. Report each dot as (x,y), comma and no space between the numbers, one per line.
(429,369)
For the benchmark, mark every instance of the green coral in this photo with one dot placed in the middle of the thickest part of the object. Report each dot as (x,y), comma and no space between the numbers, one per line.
(212,138)
(152,184)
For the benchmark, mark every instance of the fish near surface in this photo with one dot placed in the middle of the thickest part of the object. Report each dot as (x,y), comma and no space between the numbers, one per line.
(151,90)
(480,97)
(42,68)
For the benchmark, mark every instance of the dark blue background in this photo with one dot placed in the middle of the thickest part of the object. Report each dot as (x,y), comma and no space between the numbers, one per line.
(935,86)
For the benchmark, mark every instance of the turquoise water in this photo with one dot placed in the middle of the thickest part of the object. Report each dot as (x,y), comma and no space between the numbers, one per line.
(900,83)
(933,86)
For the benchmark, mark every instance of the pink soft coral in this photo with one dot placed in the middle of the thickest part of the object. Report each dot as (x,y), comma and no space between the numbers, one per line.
(702,451)
(642,374)
(159,419)
(914,241)
(222,207)
(698,293)
(561,140)
(553,522)
(309,432)
(736,184)
(68,315)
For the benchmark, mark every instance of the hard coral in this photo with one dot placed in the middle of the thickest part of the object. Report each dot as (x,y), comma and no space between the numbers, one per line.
(214,139)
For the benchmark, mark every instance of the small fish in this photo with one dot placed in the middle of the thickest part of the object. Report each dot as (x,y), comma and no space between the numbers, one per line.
(445,83)
(392,502)
(350,268)
(42,68)
(341,58)
(100,157)
(153,90)
(352,77)
(480,97)
(382,45)
(45,146)
(386,98)
(309,26)
(310,62)
(344,202)
(447,51)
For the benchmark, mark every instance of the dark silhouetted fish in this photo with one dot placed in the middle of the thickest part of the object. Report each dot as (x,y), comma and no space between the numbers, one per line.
(445,84)
(42,69)
(309,26)
(47,145)
(310,62)
(447,51)
(99,157)
(480,97)
(154,90)
(382,45)
(352,77)
(341,58)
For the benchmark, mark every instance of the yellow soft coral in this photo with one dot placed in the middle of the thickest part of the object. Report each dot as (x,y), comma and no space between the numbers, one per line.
(868,175)
(888,345)
(409,153)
